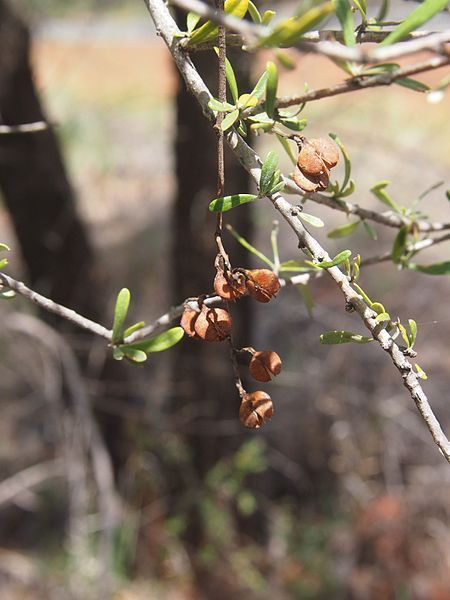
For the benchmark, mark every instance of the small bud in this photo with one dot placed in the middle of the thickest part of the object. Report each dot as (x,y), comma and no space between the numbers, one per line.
(230,286)
(256,409)
(188,320)
(213,324)
(262,284)
(265,365)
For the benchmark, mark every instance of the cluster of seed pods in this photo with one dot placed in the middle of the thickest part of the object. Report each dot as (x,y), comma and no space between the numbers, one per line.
(316,157)
(215,324)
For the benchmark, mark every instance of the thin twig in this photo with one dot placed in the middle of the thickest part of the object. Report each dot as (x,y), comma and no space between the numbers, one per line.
(28,478)
(168,30)
(24,128)
(254,33)
(417,247)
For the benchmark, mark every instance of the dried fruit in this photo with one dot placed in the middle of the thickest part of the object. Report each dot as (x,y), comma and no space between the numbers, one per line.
(213,324)
(262,284)
(315,158)
(230,286)
(327,150)
(265,365)
(256,409)
(188,320)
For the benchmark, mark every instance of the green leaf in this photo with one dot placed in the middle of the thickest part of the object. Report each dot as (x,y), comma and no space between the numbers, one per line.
(343,337)
(418,17)
(344,230)
(267,171)
(209,30)
(399,247)
(345,16)
(365,297)
(120,314)
(294,124)
(229,120)
(381,68)
(412,84)
(362,7)
(349,190)
(442,268)
(279,187)
(290,30)
(287,147)
(308,298)
(378,307)
(159,343)
(311,219)
(378,191)
(347,162)
(3,262)
(404,334)
(133,328)
(384,316)
(260,86)
(231,78)
(134,355)
(245,244)
(337,260)
(246,101)
(413,331)
(7,294)
(420,372)
(268,16)
(286,60)
(228,202)
(220,106)
(192,21)
(271,88)
(4,247)
(254,13)
(371,231)
(117,353)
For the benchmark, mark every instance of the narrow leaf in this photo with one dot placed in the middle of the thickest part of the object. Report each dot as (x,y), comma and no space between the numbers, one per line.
(294,124)
(133,328)
(287,147)
(7,294)
(220,106)
(161,342)
(371,231)
(267,171)
(420,372)
(343,337)
(117,353)
(337,260)
(4,247)
(413,331)
(399,247)
(297,266)
(229,120)
(228,202)
(134,355)
(378,190)
(260,86)
(268,16)
(344,230)
(3,262)
(404,334)
(120,314)
(442,268)
(245,244)
(290,30)
(418,17)
(209,30)
(412,84)
(254,13)
(347,161)
(345,16)
(271,88)
(192,21)
(311,219)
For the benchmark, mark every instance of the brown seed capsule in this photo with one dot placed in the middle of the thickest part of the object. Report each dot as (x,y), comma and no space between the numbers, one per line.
(256,409)
(326,150)
(310,183)
(213,324)
(262,284)
(230,286)
(265,365)
(188,320)
(309,162)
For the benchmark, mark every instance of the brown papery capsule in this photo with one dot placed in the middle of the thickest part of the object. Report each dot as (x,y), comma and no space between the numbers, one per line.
(256,409)
(188,319)
(327,150)
(230,286)
(213,324)
(265,365)
(262,284)
(310,183)
(309,162)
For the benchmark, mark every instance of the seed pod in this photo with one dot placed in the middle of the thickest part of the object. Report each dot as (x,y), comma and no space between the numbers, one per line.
(188,319)
(256,409)
(230,286)
(262,284)
(327,151)
(265,365)
(213,324)
(309,162)
(310,183)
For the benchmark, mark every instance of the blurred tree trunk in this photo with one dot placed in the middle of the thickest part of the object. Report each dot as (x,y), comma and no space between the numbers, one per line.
(205,395)
(40,200)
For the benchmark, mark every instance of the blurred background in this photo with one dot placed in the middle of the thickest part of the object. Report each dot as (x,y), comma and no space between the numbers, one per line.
(133,482)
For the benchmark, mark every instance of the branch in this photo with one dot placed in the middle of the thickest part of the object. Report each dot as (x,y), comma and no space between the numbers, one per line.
(24,128)
(417,247)
(361,82)
(168,30)
(253,34)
